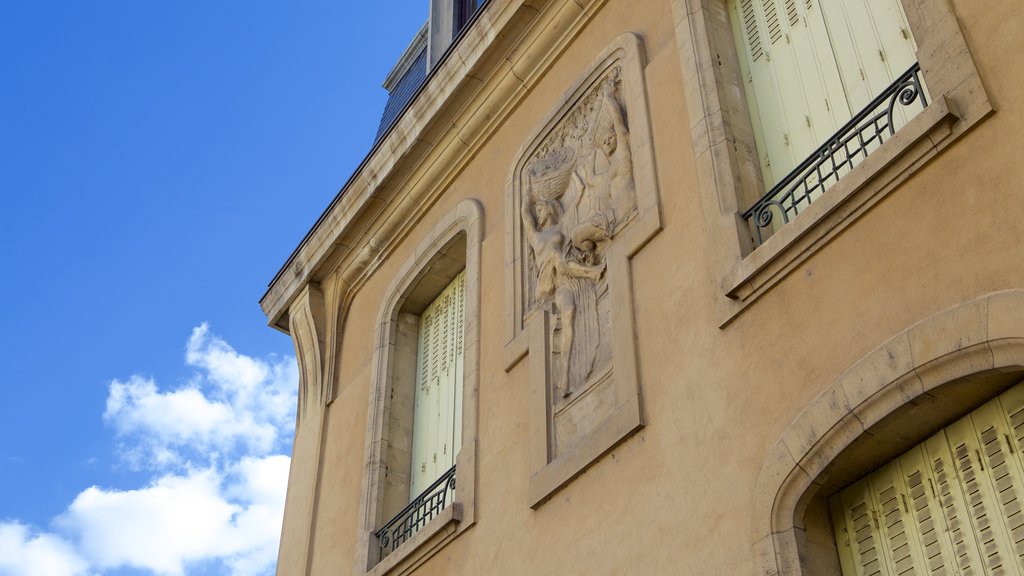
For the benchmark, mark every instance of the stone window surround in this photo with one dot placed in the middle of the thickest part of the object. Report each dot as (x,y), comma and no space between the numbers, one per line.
(728,174)
(466,219)
(980,337)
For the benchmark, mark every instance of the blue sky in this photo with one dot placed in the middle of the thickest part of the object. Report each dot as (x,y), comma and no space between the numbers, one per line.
(158,163)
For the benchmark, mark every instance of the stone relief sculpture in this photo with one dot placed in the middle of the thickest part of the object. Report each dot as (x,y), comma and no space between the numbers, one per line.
(578,191)
(582,202)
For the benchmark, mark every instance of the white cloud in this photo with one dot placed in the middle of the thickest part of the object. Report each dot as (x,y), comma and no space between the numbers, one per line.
(235,400)
(25,554)
(216,500)
(233,518)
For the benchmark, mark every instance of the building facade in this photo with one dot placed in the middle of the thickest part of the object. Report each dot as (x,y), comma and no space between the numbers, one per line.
(672,287)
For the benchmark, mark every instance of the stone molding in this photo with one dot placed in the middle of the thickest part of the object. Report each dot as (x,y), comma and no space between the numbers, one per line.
(986,334)
(468,219)
(729,177)
(466,99)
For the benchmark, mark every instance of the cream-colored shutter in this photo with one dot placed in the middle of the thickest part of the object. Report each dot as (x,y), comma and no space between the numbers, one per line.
(437,418)
(809,65)
(872,43)
(792,84)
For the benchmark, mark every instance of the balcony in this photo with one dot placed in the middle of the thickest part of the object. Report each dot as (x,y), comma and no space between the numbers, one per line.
(423,508)
(849,146)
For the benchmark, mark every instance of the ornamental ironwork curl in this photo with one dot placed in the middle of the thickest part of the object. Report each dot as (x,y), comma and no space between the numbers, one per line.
(839,154)
(421,510)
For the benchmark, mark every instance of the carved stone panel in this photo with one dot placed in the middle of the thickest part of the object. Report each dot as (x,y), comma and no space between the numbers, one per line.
(582,201)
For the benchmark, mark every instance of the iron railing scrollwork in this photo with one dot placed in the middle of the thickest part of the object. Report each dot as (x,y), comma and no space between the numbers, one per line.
(847,147)
(415,516)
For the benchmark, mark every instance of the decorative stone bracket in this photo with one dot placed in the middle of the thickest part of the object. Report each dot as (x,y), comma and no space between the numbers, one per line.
(307,322)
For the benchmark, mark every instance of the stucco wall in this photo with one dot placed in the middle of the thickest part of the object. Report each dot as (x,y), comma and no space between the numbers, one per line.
(677,497)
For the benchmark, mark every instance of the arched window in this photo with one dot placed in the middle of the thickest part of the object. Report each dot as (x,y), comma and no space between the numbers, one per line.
(910,462)
(419,483)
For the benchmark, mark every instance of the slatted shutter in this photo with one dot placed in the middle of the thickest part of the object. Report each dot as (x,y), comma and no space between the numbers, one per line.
(437,417)
(953,502)
(978,496)
(1002,467)
(858,532)
(809,65)
(953,505)
(901,542)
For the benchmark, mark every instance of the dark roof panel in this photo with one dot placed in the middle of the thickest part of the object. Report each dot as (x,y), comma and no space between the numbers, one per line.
(404,90)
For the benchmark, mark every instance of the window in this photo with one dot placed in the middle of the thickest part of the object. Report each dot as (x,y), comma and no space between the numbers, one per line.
(463,12)
(950,505)
(447,19)
(888,418)
(437,407)
(817,50)
(419,485)
(425,424)
(808,67)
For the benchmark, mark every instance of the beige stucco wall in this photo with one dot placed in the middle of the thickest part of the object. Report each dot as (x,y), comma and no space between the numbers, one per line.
(677,497)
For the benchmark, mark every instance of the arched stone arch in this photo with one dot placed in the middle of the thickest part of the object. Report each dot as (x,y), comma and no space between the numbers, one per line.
(982,337)
(430,264)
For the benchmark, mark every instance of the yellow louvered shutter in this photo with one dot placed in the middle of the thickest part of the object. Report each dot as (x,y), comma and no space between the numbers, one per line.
(951,499)
(898,538)
(858,532)
(1002,467)
(982,505)
(952,505)
(935,550)
(437,414)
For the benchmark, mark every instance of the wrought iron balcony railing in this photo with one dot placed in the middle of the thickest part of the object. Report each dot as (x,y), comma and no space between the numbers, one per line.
(840,153)
(421,510)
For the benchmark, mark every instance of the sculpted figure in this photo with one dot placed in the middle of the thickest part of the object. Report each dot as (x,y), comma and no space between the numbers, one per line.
(561,280)
(576,194)
(607,172)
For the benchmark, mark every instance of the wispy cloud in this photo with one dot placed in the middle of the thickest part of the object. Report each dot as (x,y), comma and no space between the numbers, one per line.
(216,447)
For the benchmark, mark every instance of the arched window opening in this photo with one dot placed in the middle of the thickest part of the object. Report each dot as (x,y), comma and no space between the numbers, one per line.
(934,487)
(426,369)
(419,490)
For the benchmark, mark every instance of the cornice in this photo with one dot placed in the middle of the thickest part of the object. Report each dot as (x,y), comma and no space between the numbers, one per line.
(464,101)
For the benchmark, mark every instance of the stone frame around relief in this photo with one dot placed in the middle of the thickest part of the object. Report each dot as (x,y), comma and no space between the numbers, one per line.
(609,407)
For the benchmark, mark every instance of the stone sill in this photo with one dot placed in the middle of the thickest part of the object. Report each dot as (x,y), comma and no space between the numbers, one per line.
(415,550)
(866,184)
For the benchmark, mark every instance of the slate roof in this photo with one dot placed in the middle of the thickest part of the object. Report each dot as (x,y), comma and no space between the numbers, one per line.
(403,92)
